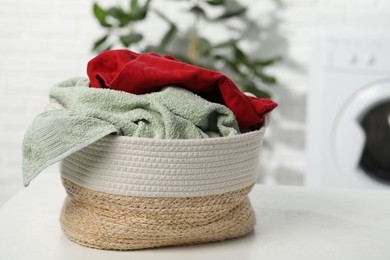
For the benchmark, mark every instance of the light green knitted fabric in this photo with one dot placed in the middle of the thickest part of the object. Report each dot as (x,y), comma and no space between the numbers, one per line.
(80,115)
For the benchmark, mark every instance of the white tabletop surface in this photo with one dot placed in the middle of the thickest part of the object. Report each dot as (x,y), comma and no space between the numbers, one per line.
(293,223)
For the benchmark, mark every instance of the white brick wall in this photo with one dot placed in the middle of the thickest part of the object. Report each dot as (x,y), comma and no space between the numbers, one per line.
(45,41)
(41,43)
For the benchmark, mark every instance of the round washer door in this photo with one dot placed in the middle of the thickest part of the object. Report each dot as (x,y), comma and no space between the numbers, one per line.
(361,134)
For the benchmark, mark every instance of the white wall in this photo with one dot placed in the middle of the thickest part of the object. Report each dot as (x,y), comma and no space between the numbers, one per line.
(45,41)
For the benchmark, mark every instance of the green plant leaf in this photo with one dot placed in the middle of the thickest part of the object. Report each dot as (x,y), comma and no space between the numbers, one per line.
(168,36)
(154,48)
(270,80)
(204,46)
(250,86)
(198,11)
(215,2)
(131,39)
(228,43)
(231,64)
(100,15)
(116,12)
(266,62)
(163,16)
(134,5)
(99,42)
(183,58)
(139,13)
(186,59)
(109,47)
(241,56)
(230,14)
(120,15)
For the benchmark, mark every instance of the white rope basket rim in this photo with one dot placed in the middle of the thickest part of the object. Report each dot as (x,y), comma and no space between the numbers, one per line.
(145,167)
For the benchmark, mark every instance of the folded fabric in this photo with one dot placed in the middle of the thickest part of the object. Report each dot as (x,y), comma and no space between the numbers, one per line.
(80,115)
(143,73)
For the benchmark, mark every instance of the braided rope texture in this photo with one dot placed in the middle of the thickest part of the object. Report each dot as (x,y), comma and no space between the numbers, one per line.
(144,167)
(106,221)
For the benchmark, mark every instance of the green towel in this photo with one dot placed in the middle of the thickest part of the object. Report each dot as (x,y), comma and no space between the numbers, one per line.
(79,115)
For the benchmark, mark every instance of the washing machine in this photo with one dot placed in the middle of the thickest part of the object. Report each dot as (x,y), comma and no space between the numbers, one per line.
(348,106)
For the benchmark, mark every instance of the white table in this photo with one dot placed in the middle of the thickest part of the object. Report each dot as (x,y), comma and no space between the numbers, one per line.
(293,223)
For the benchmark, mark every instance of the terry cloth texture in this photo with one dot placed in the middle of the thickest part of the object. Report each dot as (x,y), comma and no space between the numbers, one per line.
(105,221)
(144,167)
(81,115)
(142,73)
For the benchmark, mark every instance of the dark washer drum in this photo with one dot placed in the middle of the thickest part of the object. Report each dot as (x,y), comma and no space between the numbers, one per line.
(375,160)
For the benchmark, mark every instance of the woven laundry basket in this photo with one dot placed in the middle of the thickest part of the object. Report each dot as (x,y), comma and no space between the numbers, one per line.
(126,193)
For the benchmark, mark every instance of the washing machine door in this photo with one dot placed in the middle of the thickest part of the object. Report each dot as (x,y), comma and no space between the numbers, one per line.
(361,134)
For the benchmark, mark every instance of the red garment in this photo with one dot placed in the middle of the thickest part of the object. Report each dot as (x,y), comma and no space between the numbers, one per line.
(143,73)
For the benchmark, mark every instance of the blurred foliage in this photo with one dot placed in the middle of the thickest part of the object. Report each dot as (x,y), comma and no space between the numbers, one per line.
(121,29)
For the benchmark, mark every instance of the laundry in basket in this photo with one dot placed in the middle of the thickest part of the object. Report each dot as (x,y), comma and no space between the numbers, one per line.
(161,168)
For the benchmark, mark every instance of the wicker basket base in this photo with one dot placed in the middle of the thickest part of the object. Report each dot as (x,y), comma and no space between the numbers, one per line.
(104,221)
